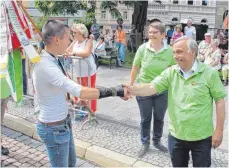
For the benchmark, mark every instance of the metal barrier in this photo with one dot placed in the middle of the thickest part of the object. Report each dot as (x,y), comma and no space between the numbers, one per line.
(77,109)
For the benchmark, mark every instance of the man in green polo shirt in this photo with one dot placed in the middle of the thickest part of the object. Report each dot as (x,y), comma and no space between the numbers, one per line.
(5,93)
(151,59)
(191,86)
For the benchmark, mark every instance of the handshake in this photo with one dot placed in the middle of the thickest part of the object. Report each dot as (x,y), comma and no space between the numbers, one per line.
(124,91)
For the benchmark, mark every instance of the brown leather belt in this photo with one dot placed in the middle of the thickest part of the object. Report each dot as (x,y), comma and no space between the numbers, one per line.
(53,123)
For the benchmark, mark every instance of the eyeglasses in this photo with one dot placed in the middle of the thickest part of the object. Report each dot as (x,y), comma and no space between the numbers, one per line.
(153,32)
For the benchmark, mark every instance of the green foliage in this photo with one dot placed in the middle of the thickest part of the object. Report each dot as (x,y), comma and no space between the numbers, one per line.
(41,21)
(59,7)
(88,20)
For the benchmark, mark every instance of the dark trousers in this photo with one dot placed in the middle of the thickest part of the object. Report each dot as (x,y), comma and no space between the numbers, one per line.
(24,77)
(157,106)
(200,151)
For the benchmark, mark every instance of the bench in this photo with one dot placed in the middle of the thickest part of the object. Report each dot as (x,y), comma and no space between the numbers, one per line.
(111,54)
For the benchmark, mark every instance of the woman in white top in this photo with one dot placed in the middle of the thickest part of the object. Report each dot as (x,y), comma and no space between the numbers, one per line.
(83,47)
(214,58)
(100,48)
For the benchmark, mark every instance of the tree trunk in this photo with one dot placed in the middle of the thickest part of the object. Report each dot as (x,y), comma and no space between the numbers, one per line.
(139,16)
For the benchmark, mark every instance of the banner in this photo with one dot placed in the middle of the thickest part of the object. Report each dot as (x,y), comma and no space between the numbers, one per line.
(14,75)
(4,42)
(21,19)
(29,49)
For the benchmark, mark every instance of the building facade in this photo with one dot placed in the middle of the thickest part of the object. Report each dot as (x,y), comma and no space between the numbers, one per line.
(178,11)
(104,18)
(221,8)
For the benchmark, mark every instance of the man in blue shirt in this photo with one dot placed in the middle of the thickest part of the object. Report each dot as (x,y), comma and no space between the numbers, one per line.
(170,34)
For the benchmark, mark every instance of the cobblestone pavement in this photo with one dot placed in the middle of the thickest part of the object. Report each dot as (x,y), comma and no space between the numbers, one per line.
(118,137)
(27,152)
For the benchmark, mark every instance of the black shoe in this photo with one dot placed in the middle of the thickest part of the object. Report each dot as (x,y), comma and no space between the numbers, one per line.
(5,151)
(144,149)
(160,146)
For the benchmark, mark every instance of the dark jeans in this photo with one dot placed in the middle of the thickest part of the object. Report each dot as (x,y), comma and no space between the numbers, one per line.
(200,151)
(157,105)
(24,77)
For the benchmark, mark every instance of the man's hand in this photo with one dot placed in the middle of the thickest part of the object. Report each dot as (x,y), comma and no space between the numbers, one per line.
(79,102)
(82,102)
(127,94)
(67,54)
(217,138)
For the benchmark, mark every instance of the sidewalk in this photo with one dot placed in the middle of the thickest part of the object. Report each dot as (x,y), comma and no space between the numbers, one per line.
(108,144)
(27,152)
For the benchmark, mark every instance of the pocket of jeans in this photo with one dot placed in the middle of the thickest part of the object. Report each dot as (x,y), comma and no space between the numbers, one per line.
(42,134)
(61,134)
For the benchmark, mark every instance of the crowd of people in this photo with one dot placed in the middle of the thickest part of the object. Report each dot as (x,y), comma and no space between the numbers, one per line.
(182,77)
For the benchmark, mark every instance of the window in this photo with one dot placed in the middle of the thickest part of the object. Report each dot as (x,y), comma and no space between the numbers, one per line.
(205,2)
(175,1)
(190,2)
(174,19)
(125,15)
(31,4)
(203,21)
(113,17)
(103,15)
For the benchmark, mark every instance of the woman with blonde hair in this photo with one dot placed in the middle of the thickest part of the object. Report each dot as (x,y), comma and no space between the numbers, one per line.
(177,33)
(83,47)
(214,58)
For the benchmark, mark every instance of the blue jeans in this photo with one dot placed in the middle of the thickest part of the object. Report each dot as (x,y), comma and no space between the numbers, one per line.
(121,51)
(200,151)
(156,104)
(59,143)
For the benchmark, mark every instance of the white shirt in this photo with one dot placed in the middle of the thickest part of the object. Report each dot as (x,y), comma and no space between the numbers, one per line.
(189,73)
(51,85)
(190,31)
(84,66)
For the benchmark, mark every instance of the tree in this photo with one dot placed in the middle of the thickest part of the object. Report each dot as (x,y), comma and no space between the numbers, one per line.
(52,8)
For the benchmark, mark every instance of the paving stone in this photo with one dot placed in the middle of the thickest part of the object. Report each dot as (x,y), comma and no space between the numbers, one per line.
(37,164)
(87,164)
(18,156)
(41,148)
(31,161)
(79,162)
(25,165)
(35,144)
(27,141)
(17,164)
(10,160)
(14,149)
(24,160)
(43,161)
(15,135)
(22,138)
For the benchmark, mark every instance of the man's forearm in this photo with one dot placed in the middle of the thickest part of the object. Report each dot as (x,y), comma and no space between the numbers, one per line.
(220,114)
(98,93)
(146,89)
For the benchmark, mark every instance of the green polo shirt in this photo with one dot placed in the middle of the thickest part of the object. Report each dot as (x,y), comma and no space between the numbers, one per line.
(190,101)
(152,63)
(5,89)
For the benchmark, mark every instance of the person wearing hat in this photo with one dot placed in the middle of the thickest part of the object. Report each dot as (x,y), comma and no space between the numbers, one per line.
(204,48)
(177,34)
(190,30)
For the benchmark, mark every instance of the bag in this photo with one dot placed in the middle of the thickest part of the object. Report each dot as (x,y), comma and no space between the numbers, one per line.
(96,59)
